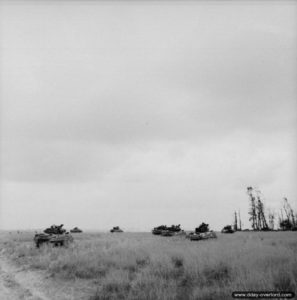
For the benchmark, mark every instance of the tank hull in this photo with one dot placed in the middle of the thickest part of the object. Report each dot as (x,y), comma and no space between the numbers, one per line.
(76,231)
(55,240)
(202,236)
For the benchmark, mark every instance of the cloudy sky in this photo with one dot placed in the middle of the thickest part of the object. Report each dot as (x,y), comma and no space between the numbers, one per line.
(145,113)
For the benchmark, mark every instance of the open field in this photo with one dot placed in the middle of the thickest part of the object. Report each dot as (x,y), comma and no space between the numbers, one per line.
(142,266)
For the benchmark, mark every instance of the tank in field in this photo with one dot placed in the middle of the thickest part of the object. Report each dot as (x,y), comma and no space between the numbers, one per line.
(158,230)
(116,229)
(76,230)
(227,229)
(53,235)
(203,227)
(202,232)
(167,231)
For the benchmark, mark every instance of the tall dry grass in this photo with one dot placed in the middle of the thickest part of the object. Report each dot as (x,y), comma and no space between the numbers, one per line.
(143,266)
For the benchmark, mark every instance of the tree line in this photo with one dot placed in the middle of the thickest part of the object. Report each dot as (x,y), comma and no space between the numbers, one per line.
(265,221)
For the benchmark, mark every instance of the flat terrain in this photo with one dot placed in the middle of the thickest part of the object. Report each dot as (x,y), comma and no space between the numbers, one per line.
(142,266)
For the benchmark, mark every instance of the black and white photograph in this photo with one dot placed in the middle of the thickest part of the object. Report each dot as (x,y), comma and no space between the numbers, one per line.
(148,149)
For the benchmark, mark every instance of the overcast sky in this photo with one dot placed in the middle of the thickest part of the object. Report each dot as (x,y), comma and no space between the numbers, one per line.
(145,113)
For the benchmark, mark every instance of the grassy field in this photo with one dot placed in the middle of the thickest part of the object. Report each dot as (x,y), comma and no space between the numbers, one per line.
(143,266)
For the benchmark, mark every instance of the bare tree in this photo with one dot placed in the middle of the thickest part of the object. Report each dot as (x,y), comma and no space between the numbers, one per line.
(235,222)
(257,212)
(261,213)
(252,211)
(289,223)
(240,224)
(271,217)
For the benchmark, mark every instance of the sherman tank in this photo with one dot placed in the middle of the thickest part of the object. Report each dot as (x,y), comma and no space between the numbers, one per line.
(202,232)
(203,227)
(75,230)
(227,229)
(116,229)
(53,235)
(158,230)
(167,231)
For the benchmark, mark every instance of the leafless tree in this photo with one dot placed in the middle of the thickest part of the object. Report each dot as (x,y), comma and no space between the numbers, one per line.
(289,223)
(257,212)
(271,218)
(252,211)
(235,222)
